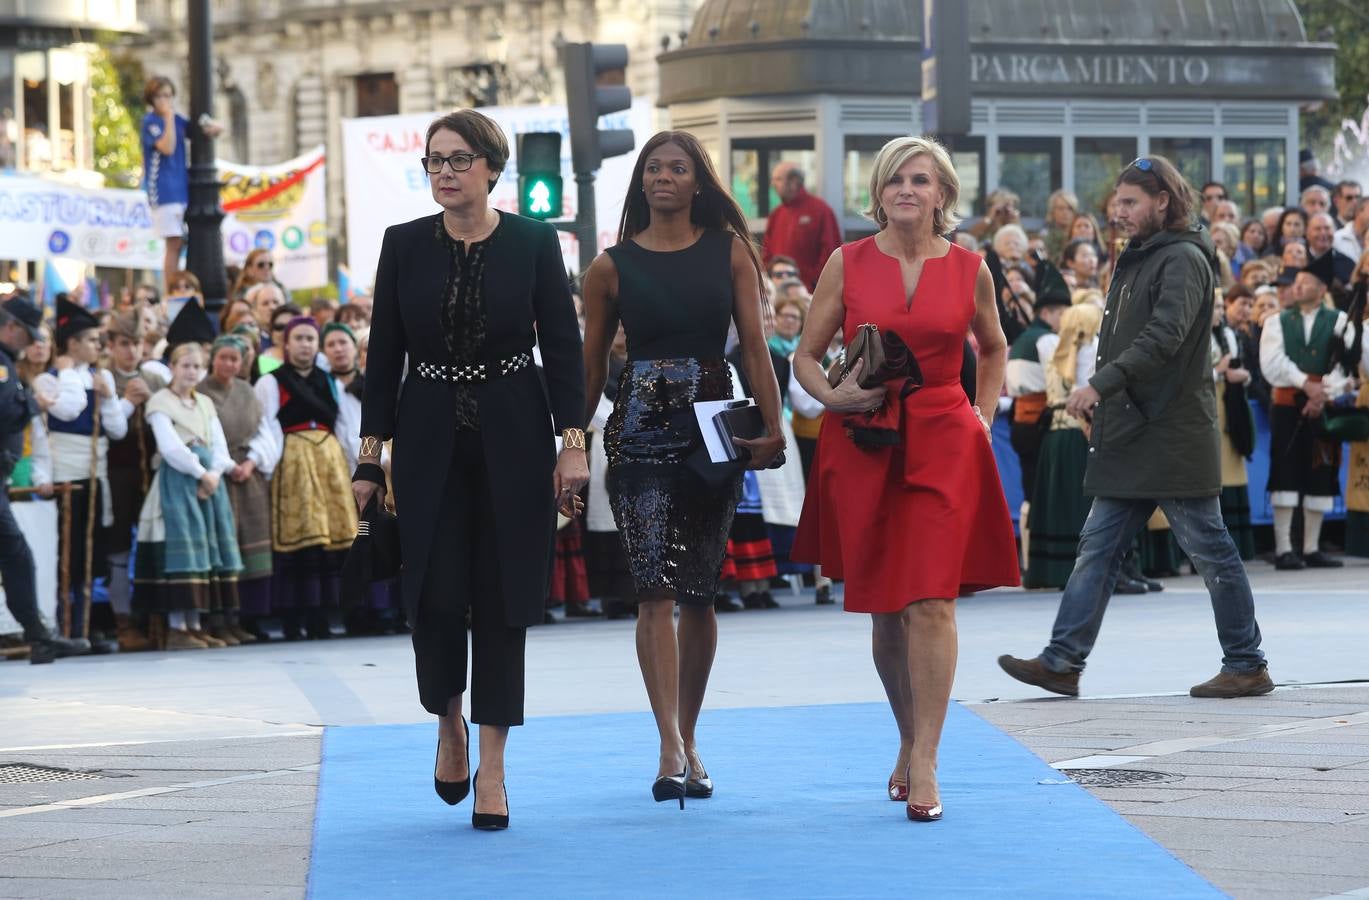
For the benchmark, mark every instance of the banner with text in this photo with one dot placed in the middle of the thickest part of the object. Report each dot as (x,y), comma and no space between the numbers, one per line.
(41,219)
(386,184)
(281,208)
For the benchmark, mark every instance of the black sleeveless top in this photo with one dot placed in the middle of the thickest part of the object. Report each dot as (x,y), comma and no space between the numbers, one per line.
(676,304)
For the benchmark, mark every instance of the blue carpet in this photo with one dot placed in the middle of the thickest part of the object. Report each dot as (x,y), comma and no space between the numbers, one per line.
(799,812)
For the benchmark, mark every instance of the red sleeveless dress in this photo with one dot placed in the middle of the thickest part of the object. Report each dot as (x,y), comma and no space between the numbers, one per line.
(927,518)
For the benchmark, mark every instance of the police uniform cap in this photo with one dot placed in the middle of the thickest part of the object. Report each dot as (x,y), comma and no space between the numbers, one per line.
(25,313)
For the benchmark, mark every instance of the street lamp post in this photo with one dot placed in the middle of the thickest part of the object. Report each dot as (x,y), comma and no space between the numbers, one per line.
(204,252)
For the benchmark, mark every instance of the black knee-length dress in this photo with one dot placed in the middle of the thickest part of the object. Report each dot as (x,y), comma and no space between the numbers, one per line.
(675,308)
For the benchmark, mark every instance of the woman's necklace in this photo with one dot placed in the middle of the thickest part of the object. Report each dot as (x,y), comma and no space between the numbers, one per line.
(479,234)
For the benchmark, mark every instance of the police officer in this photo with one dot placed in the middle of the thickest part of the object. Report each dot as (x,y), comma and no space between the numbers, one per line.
(19,323)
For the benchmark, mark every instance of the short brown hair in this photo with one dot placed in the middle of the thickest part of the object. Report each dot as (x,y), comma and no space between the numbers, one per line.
(481,132)
(154,86)
(1155,175)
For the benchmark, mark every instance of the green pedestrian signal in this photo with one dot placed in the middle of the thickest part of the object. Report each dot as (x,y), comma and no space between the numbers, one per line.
(539,175)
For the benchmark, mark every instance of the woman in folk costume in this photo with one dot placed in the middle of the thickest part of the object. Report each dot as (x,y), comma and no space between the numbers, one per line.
(313,516)
(86,415)
(254,450)
(373,608)
(1237,429)
(187,561)
(1058,512)
(339,345)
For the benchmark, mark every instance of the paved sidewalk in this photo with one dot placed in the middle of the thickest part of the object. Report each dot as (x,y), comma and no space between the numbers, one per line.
(1268,797)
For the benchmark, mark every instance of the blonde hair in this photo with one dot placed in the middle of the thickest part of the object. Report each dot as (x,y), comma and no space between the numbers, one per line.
(891,158)
(183,350)
(1091,296)
(1078,326)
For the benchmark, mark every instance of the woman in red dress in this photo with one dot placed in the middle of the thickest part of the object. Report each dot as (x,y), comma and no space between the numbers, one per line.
(920,519)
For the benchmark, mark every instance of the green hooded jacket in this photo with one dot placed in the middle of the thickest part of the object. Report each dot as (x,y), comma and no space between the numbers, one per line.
(1155,430)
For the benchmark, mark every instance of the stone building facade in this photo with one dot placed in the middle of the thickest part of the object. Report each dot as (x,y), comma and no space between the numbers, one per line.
(289,71)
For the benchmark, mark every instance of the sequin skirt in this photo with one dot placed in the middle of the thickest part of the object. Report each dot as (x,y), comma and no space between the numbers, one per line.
(673,525)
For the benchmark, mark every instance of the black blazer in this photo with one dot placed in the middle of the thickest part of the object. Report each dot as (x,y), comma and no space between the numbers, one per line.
(527,301)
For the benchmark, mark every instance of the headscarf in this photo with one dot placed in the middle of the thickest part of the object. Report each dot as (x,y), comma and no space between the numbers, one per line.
(299,321)
(337,326)
(231,340)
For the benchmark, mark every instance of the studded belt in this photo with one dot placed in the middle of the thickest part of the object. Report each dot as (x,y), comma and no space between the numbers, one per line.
(474,373)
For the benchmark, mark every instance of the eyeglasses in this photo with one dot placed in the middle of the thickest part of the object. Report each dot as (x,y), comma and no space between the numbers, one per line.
(784,273)
(460,162)
(280,327)
(264,264)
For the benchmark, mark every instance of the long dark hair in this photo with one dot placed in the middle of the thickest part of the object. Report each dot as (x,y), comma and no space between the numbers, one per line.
(712,208)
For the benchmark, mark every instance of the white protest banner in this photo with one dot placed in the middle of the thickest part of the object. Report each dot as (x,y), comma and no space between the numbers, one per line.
(41,218)
(281,208)
(386,185)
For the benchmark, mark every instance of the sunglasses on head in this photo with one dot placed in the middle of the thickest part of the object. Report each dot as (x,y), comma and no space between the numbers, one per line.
(1143,164)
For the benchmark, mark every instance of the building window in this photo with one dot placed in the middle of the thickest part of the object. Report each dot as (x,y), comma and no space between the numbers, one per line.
(752,160)
(1193,157)
(1097,163)
(858,161)
(967,155)
(377,95)
(1031,168)
(1254,170)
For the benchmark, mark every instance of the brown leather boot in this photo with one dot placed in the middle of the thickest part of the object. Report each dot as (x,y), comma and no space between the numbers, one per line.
(178,639)
(1227,685)
(1034,672)
(207,639)
(131,639)
(223,635)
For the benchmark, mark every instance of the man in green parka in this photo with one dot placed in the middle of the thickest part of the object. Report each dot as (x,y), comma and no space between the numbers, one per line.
(1155,440)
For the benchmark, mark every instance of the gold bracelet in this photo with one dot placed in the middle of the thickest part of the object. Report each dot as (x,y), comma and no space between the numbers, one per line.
(573,439)
(370,447)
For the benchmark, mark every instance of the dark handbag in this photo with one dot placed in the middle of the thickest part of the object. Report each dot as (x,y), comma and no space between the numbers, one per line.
(744,422)
(375,552)
(867,345)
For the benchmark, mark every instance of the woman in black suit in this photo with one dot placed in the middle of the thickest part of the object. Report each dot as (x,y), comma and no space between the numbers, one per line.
(465,294)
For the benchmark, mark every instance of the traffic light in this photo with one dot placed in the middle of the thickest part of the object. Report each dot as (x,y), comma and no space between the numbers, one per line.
(539,174)
(591,91)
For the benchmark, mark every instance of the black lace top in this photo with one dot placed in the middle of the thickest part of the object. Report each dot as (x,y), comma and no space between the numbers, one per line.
(463,314)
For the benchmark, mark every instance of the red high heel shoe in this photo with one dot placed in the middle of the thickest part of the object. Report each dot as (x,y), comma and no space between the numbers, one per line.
(898,791)
(918,812)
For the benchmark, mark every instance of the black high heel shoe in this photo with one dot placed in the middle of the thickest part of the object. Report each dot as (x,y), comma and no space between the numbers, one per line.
(671,787)
(491,821)
(453,792)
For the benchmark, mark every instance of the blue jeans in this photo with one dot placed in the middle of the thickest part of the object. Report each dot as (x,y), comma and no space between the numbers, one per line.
(1111,526)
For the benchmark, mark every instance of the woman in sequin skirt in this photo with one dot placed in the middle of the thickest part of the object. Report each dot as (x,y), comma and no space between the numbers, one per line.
(683,269)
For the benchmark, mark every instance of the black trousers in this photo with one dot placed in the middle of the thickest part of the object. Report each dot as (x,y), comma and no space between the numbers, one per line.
(462,580)
(16,569)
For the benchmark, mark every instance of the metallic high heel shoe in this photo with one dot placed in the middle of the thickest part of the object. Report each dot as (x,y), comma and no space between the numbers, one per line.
(453,792)
(918,812)
(671,787)
(492,821)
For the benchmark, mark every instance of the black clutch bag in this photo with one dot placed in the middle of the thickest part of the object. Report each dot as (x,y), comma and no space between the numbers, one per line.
(744,422)
(374,555)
